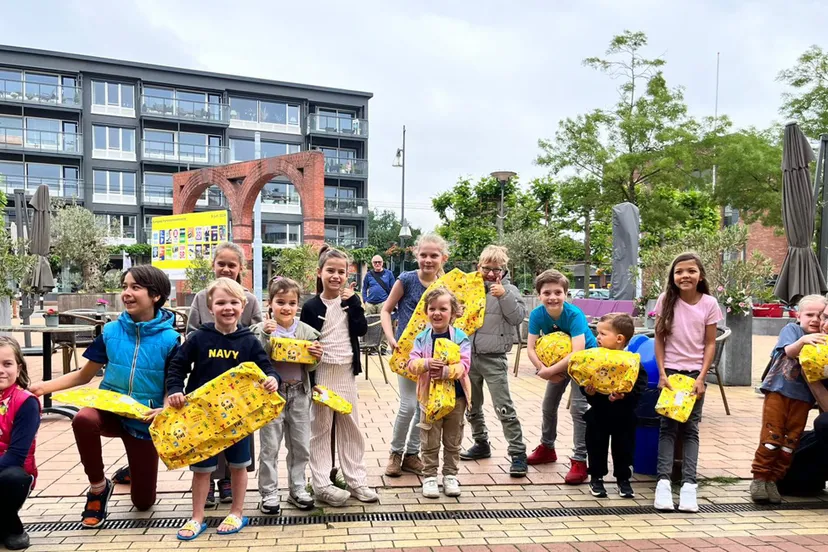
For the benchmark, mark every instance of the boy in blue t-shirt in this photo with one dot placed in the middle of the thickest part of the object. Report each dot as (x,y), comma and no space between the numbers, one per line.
(556,315)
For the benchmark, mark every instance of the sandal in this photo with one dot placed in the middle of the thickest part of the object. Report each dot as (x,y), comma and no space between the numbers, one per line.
(94,514)
(122,476)
(193,527)
(235,522)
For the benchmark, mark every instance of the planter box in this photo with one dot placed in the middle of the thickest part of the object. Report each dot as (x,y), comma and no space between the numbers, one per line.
(768,310)
(88,301)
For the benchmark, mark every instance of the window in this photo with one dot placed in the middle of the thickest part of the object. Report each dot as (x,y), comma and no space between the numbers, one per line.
(11,176)
(342,234)
(158,188)
(264,115)
(113,98)
(11,84)
(336,121)
(113,143)
(280,193)
(280,233)
(11,131)
(121,227)
(245,150)
(113,186)
(182,146)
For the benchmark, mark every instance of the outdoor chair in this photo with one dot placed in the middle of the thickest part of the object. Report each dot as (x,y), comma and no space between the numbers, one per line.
(722,335)
(371,342)
(522,335)
(182,319)
(68,343)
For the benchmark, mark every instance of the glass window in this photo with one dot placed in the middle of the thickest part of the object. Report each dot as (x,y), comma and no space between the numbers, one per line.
(159,136)
(331,232)
(272,112)
(128,96)
(128,183)
(158,181)
(11,174)
(243,109)
(99,137)
(272,149)
(44,170)
(114,138)
(99,182)
(128,140)
(11,169)
(129,227)
(47,125)
(98,93)
(114,182)
(242,150)
(113,93)
(11,85)
(192,97)
(43,88)
(293,114)
(11,122)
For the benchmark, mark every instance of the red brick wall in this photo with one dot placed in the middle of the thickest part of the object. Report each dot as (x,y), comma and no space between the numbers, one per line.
(769,242)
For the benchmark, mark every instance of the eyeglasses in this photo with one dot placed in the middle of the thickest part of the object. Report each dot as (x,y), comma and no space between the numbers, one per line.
(377,262)
(491,270)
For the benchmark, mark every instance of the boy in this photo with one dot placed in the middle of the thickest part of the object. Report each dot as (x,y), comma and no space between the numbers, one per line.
(505,311)
(788,399)
(556,315)
(612,416)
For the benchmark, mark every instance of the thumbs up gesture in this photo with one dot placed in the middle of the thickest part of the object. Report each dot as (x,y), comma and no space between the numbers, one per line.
(497,289)
(347,291)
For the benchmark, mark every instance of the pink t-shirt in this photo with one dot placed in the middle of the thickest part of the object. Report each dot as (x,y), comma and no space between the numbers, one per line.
(684,347)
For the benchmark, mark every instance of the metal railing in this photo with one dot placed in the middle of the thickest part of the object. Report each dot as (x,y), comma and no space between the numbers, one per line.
(41,140)
(356,206)
(184,153)
(338,125)
(58,187)
(352,243)
(162,195)
(170,108)
(19,91)
(346,166)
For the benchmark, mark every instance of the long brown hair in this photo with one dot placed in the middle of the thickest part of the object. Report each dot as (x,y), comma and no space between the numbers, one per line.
(23,371)
(664,325)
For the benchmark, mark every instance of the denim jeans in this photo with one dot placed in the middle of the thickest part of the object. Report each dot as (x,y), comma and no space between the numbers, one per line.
(294,425)
(690,431)
(406,437)
(549,426)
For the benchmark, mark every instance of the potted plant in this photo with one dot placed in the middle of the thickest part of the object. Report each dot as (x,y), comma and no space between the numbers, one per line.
(51,318)
(101,305)
(650,321)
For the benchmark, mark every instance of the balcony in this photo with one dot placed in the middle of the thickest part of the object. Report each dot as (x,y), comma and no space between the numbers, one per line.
(348,206)
(20,92)
(337,125)
(47,141)
(280,203)
(158,195)
(347,242)
(175,152)
(185,110)
(58,187)
(346,166)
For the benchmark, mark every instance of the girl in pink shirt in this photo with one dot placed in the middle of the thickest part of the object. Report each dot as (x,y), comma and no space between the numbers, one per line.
(685,342)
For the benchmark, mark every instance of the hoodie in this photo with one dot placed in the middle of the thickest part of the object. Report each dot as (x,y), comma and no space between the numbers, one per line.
(213,353)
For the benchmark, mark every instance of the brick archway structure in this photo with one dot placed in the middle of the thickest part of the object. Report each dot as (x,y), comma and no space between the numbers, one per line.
(241,183)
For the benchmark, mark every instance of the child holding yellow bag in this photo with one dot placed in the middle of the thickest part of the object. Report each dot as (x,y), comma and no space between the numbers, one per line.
(442,308)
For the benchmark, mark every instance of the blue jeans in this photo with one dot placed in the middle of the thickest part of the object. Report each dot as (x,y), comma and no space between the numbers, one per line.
(238,456)
(406,436)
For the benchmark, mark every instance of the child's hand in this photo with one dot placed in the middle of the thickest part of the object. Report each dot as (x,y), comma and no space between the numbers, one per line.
(813,339)
(36,389)
(177,400)
(315,350)
(497,290)
(663,383)
(152,414)
(392,343)
(271,384)
(347,292)
(616,396)
(435,368)
(270,326)
(590,390)
(699,387)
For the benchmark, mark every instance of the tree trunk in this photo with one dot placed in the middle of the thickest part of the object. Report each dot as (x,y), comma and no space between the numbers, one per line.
(587,255)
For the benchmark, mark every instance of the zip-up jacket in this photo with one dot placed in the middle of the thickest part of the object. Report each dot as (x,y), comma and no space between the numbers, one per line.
(503,315)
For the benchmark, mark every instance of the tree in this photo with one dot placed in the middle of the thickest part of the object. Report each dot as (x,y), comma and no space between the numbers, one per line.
(808,105)
(533,250)
(384,229)
(299,263)
(79,238)
(199,274)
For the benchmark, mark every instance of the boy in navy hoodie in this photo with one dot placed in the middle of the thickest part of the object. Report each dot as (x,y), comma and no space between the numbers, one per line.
(214,349)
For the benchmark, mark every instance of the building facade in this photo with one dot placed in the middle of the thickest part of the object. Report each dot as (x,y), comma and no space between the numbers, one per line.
(110,134)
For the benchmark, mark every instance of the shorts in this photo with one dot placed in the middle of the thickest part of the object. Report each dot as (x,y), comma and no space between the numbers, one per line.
(237,455)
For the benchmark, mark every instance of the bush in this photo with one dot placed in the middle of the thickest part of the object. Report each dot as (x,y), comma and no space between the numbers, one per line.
(199,274)
(79,238)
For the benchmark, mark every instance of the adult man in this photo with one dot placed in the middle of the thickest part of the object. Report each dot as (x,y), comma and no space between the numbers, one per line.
(376,286)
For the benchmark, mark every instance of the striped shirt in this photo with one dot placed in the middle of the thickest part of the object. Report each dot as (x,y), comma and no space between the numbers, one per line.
(336,341)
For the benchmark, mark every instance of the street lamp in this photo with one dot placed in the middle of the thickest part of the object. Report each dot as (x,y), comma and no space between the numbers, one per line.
(405,232)
(503,177)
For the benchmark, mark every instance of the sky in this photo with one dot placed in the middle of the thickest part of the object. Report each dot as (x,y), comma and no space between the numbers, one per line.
(476,83)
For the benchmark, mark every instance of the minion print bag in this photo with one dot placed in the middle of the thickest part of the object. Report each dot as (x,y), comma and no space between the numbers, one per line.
(607,370)
(103,399)
(323,395)
(285,349)
(814,362)
(677,403)
(553,347)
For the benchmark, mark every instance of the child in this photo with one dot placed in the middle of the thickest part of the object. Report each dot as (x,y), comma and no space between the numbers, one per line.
(336,312)
(442,309)
(136,349)
(226,299)
(19,421)
(788,400)
(685,342)
(556,315)
(505,311)
(294,423)
(432,252)
(612,416)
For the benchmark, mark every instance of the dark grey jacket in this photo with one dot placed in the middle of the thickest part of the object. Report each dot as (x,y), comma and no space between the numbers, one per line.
(503,315)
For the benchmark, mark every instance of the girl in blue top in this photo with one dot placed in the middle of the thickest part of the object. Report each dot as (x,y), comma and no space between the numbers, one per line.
(431,252)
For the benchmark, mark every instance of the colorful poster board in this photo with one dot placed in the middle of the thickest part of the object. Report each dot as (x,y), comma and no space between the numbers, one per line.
(177,240)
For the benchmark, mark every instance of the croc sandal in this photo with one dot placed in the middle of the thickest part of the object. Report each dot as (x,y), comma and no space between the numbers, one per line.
(235,522)
(194,527)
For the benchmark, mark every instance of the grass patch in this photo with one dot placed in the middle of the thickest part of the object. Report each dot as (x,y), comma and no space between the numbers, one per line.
(721,480)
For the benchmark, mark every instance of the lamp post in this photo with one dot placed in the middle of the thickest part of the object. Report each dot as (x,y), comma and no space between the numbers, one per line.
(405,231)
(503,177)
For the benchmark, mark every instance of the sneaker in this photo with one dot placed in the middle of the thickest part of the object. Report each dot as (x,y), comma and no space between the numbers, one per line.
(625,489)
(364,494)
(430,489)
(332,495)
(270,505)
(411,463)
(17,542)
(211,496)
(518,467)
(577,473)
(759,491)
(301,499)
(773,493)
(451,486)
(122,476)
(225,491)
(394,467)
(94,514)
(478,451)
(664,496)
(687,498)
(542,455)
(596,487)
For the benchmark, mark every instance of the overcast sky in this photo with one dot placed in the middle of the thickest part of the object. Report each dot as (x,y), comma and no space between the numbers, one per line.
(475,82)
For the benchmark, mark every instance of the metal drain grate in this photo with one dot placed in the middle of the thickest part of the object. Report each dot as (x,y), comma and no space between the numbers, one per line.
(164,523)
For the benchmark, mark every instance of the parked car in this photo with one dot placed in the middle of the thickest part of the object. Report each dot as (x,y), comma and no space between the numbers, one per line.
(602,294)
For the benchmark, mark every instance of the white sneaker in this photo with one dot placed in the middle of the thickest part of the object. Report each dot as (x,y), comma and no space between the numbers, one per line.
(301,499)
(687,498)
(430,489)
(270,504)
(364,494)
(664,496)
(451,486)
(332,495)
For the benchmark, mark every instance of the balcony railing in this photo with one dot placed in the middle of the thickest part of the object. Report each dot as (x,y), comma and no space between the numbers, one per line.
(158,195)
(337,125)
(18,91)
(184,153)
(188,110)
(58,187)
(346,166)
(354,206)
(348,242)
(41,140)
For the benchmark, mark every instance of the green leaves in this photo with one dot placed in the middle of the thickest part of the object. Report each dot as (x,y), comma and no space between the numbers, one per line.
(808,104)
(79,238)
(299,263)
(199,274)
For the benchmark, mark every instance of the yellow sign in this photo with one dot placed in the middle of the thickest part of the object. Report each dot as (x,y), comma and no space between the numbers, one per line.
(177,240)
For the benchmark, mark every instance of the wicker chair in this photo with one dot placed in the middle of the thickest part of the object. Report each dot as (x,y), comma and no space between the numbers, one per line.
(372,343)
(68,343)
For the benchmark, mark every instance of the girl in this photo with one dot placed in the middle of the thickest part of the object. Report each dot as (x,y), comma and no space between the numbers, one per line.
(19,421)
(294,423)
(432,252)
(442,309)
(135,349)
(686,318)
(336,312)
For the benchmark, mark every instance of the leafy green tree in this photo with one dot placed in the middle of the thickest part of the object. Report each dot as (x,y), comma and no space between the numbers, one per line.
(79,238)
(384,230)
(199,274)
(299,263)
(808,104)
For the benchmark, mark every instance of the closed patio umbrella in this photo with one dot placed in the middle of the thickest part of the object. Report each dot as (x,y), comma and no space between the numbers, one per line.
(42,279)
(800,274)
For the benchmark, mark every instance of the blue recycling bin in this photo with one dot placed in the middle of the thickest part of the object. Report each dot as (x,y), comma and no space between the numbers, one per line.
(645,458)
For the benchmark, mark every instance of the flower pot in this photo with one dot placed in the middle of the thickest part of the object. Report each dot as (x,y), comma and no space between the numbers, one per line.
(52,320)
(649,323)
(101,309)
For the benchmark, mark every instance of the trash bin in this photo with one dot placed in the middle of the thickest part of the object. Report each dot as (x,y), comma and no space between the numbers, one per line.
(645,458)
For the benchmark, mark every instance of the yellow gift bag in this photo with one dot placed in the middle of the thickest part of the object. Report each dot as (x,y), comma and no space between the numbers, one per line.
(106,400)
(323,395)
(447,350)
(285,349)
(471,294)
(218,414)
(551,348)
(677,404)
(441,400)
(607,370)
(814,361)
